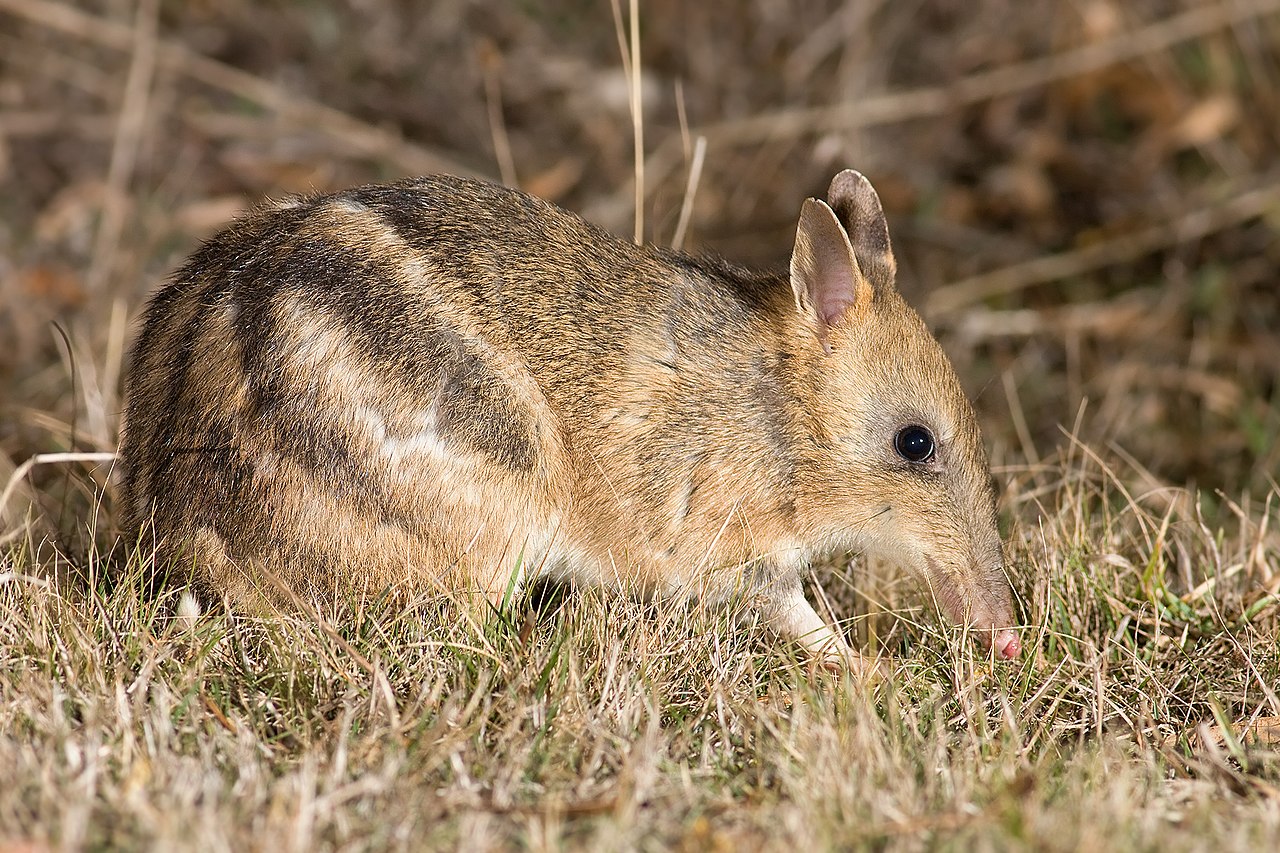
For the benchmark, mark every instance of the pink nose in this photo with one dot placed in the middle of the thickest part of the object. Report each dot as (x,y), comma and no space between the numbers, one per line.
(1007,644)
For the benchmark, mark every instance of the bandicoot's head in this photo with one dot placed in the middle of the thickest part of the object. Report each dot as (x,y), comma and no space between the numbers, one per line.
(907,476)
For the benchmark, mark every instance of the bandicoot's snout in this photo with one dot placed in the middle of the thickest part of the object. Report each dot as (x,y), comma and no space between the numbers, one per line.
(994,631)
(1007,644)
(987,610)
(991,619)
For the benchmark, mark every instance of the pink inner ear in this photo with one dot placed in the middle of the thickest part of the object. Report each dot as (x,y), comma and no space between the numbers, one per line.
(824,265)
(834,306)
(835,288)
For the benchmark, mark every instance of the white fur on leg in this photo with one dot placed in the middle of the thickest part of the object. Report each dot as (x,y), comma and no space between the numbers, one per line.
(793,617)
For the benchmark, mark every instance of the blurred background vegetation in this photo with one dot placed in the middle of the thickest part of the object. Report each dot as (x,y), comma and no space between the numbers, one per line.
(1084,196)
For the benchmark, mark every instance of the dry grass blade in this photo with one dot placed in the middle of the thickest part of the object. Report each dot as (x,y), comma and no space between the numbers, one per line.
(690,191)
(491,62)
(629,48)
(124,150)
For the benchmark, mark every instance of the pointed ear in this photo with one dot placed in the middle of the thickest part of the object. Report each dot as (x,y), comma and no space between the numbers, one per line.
(858,208)
(824,271)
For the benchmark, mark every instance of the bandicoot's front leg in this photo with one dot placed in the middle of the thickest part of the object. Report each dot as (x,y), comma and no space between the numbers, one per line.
(793,617)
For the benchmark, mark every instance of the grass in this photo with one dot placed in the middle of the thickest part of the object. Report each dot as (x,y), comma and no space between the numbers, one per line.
(1144,715)
(1083,202)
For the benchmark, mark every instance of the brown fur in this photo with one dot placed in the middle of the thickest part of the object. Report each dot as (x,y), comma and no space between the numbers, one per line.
(429,383)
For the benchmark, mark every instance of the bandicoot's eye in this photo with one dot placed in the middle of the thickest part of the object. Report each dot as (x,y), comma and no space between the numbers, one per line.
(914,444)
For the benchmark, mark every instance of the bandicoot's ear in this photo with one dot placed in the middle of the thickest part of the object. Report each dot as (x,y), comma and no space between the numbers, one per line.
(824,271)
(858,208)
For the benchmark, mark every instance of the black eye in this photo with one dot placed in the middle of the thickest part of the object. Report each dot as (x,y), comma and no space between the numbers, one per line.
(914,444)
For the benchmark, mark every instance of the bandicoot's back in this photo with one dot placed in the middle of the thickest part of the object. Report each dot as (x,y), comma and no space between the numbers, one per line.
(436,383)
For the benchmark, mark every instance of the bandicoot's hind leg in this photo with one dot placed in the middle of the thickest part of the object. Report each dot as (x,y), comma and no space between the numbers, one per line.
(492,584)
(489,579)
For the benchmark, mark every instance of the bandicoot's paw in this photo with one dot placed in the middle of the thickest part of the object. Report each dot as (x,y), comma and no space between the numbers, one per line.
(841,659)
